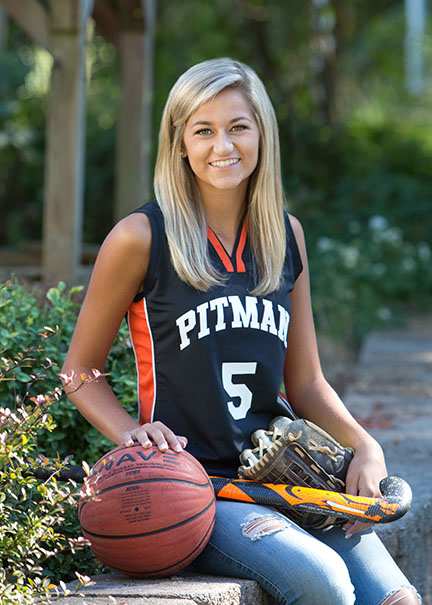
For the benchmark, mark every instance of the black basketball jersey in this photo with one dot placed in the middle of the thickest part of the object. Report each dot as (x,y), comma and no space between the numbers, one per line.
(210,364)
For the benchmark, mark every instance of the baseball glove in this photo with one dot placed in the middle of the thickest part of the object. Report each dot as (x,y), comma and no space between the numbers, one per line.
(297,452)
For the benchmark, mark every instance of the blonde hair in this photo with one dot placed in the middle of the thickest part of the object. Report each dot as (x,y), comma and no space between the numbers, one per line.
(177,192)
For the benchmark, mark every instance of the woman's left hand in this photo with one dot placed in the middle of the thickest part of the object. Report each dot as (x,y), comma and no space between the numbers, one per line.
(364,474)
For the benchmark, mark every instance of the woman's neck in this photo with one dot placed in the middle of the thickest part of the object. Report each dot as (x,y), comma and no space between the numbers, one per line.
(224,214)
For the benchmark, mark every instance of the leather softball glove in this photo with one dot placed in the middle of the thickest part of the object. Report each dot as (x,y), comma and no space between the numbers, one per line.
(297,452)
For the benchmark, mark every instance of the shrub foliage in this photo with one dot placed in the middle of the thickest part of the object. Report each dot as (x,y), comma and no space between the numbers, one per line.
(38,522)
(23,315)
(40,543)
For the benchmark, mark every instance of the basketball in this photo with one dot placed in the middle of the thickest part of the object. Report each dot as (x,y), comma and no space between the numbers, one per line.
(145,512)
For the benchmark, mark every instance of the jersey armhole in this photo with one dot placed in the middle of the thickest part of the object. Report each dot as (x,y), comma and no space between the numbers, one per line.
(293,247)
(154,251)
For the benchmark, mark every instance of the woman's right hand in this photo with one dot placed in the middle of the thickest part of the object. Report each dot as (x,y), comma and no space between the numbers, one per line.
(155,433)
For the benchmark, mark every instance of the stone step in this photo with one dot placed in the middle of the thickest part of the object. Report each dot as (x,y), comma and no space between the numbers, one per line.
(391,395)
(184,589)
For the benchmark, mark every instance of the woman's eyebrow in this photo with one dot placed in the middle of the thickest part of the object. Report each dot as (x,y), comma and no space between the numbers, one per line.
(206,123)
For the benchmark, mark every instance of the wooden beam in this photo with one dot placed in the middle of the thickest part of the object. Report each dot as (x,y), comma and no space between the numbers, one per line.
(130,13)
(133,153)
(106,21)
(32,17)
(64,158)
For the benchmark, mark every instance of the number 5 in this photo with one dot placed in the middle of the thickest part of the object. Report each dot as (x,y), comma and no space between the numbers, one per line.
(229,370)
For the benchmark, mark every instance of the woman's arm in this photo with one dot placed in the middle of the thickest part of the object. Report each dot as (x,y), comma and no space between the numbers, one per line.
(313,398)
(117,277)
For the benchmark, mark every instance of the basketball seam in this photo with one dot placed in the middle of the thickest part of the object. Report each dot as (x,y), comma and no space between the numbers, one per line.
(149,533)
(173,565)
(96,494)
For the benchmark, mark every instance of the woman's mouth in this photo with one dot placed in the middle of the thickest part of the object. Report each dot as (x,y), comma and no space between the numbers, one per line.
(225,163)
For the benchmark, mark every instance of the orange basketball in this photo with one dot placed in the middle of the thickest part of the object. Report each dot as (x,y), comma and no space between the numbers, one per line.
(145,512)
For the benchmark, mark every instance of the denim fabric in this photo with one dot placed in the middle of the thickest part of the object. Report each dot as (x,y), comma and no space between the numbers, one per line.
(294,566)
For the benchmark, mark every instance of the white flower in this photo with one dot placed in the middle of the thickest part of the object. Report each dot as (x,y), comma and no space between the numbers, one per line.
(325,244)
(384,314)
(424,251)
(67,378)
(409,264)
(350,256)
(378,223)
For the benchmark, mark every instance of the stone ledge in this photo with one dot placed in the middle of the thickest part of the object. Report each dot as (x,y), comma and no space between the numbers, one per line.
(183,589)
(391,395)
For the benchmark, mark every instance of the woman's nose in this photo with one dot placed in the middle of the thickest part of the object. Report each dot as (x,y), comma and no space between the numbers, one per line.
(223,144)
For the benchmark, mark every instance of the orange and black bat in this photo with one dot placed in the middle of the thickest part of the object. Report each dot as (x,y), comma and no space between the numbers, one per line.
(394,503)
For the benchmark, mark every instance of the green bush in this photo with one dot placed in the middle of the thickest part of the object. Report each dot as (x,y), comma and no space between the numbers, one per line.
(40,542)
(367,282)
(364,205)
(24,314)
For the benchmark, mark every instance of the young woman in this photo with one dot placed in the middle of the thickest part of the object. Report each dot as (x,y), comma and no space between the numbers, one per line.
(213,279)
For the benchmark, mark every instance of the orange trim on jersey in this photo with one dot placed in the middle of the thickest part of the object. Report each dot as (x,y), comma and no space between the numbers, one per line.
(220,251)
(239,254)
(142,342)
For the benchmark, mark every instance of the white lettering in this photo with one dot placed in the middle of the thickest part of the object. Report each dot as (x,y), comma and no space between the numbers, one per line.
(255,313)
(283,324)
(186,323)
(268,323)
(244,318)
(219,304)
(202,313)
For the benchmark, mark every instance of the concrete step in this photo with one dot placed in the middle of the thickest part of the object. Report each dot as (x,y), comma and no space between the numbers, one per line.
(391,395)
(184,589)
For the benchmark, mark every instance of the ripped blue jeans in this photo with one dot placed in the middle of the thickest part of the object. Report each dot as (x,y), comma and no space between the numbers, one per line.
(295,566)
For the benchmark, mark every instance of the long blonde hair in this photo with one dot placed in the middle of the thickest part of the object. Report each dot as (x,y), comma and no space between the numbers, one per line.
(177,192)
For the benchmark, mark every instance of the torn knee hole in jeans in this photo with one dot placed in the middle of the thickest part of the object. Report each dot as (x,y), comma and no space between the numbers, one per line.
(398,596)
(263,525)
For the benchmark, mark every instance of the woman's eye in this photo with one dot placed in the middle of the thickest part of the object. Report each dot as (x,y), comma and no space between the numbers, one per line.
(239,127)
(203,131)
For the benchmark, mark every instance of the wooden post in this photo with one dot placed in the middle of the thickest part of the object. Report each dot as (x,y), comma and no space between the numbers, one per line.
(31,16)
(64,159)
(415,17)
(3,29)
(133,154)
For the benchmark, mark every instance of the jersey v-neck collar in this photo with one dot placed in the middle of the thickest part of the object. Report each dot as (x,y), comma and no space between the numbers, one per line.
(233,263)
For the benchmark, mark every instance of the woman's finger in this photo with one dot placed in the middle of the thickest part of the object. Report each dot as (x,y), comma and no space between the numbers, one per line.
(353,527)
(155,433)
(137,435)
(183,441)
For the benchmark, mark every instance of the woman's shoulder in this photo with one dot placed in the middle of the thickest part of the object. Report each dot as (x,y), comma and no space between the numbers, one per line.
(124,256)
(296,227)
(130,238)
(133,230)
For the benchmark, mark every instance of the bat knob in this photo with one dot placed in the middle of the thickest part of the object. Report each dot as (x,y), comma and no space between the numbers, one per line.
(395,489)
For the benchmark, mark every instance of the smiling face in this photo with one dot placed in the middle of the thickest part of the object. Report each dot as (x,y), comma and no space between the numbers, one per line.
(221,142)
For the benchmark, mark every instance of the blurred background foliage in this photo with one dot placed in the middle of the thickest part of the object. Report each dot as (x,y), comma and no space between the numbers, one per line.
(356,146)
